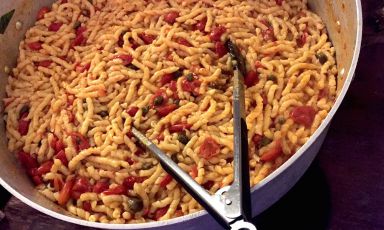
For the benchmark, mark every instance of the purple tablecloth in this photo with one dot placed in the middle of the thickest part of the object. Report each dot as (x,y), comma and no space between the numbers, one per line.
(344,187)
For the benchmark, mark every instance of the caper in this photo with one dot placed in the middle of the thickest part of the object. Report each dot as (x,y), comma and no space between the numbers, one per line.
(176,102)
(178,73)
(76,25)
(145,110)
(103,113)
(272,78)
(158,100)
(322,57)
(147,165)
(190,77)
(265,141)
(24,110)
(281,120)
(174,158)
(183,138)
(135,204)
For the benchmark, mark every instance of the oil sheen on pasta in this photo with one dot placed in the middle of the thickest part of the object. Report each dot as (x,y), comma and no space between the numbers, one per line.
(89,70)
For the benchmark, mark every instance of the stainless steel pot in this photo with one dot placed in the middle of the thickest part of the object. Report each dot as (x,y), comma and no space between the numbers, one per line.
(344,23)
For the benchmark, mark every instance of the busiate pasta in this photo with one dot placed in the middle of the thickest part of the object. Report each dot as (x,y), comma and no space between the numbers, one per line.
(88,71)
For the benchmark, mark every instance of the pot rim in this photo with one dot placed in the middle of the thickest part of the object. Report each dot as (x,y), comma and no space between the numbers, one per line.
(264,182)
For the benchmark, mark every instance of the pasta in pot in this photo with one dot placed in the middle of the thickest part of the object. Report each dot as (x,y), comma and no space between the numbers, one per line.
(90,70)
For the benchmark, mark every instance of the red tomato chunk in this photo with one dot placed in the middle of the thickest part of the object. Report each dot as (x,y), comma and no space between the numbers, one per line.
(81,186)
(220,49)
(45,167)
(34,46)
(62,157)
(132,110)
(216,33)
(42,12)
(166,180)
(273,152)
(175,128)
(161,212)
(79,141)
(303,115)
(65,192)
(100,186)
(55,26)
(164,110)
(126,58)
(209,148)
(251,78)
(170,17)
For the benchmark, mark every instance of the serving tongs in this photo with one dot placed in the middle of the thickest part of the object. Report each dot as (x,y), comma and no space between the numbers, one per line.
(231,205)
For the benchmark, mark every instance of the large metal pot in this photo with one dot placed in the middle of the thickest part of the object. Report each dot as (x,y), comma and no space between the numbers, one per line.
(344,23)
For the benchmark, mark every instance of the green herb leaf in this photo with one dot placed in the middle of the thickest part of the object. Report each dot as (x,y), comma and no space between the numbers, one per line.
(4,21)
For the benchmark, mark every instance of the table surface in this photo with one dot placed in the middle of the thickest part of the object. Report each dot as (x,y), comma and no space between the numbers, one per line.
(343,188)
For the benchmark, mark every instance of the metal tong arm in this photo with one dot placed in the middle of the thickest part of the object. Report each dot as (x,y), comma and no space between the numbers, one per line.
(239,191)
(212,205)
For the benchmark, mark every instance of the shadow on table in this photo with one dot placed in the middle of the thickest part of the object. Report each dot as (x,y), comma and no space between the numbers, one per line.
(306,206)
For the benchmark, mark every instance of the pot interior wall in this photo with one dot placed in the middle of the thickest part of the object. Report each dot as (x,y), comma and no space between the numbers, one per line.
(340,16)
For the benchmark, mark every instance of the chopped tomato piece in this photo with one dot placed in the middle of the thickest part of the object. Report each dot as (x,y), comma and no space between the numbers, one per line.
(82,68)
(80,30)
(175,128)
(45,63)
(132,110)
(173,86)
(71,117)
(273,152)
(209,148)
(161,212)
(147,38)
(258,64)
(126,58)
(101,186)
(164,110)
(251,78)
(27,160)
(201,24)
(79,40)
(130,181)
(62,157)
(87,206)
(23,126)
(220,49)
(166,180)
(35,45)
(58,184)
(208,185)
(216,33)
(118,190)
(55,26)
(160,137)
(256,139)
(191,86)
(193,173)
(129,160)
(42,12)
(303,115)
(38,180)
(170,17)
(57,144)
(63,1)
(79,141)
(184,42)
(65,192)
(166,78)
(279,2)
(81,186)
(302,39)
(268,34)
(133,43)
(45,167)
